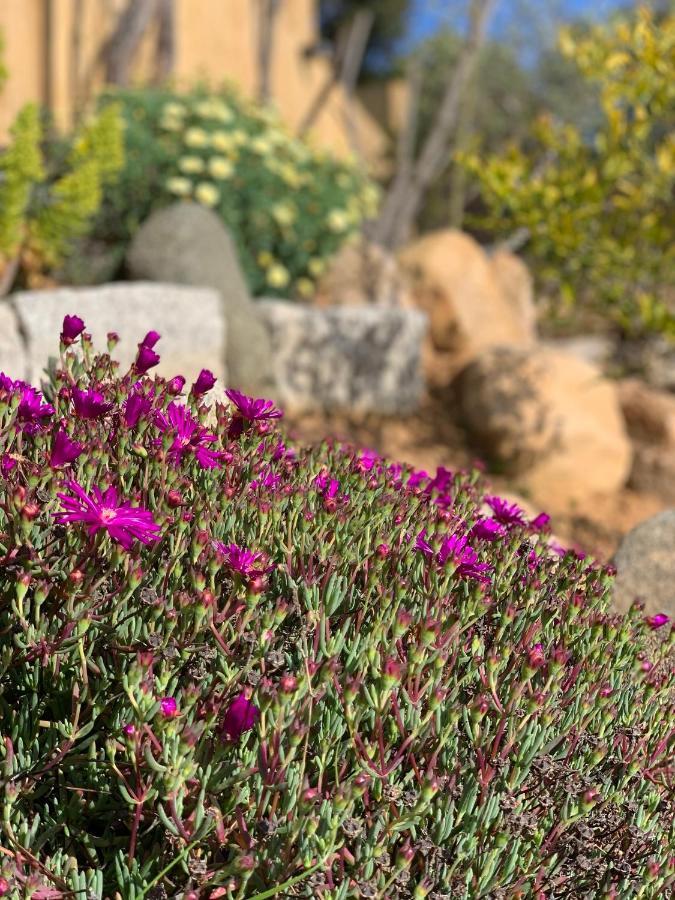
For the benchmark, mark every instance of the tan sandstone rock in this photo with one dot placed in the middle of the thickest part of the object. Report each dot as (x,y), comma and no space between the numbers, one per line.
(362,274)
(549,420)
(472,302)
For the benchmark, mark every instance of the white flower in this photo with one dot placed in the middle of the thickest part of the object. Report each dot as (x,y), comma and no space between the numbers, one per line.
(221,140)
(284,213)
(171,124)
(278,276)
(196,137)
(338,220)
(221,168)
(191,164)
(181,187)
(207,193)
(173,110)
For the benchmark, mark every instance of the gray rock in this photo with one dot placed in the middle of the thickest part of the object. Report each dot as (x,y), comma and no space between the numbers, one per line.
(364,359)
(190,321)
(188,244)
(13,360)
(645,563)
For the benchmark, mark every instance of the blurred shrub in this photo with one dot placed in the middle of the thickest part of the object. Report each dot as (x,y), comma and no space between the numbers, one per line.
(599,213)
(289,206)
(43,210)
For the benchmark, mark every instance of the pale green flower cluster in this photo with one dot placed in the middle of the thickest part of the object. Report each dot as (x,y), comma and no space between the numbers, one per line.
(288,204)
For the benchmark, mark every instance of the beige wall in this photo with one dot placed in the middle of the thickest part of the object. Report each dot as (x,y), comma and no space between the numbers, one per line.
(215,41)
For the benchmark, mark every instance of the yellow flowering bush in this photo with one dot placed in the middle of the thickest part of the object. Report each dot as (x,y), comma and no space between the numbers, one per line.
(599,213)
(288,206)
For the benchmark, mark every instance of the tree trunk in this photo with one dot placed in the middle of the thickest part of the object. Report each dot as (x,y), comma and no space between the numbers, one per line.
(165,59)
(355,51)
(403,200)
(120,49)
(267,21)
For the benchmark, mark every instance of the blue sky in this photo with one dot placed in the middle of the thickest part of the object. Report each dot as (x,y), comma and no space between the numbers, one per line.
(429,15)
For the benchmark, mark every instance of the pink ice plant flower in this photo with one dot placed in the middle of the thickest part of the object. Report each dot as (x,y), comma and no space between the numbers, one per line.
(254,409)
(146,359)
(190,436)
(242,561)
(136,406)
(64,450)
(205,381)
(488,530)
(72,328)
(509,514)
(465,559)
(90,404)
(657,621)
(102,510)
(240,716)
(31,410)
(168,707)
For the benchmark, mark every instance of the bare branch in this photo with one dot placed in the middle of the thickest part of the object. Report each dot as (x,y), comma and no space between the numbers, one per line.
(165,59)
(353,60)
(268,10)
(119,50)
(403,201)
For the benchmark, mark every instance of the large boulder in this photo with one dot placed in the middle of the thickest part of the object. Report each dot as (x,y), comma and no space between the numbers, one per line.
(645,564)
(185,243)
(472,302)
(360,274)
(361,359)
(189,319)
(650,419)
(547,419)
(13,360)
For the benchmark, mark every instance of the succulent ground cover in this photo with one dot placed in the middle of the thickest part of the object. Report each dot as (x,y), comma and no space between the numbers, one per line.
(231,667)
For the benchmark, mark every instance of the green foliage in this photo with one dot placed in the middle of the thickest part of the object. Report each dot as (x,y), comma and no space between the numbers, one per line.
(599,212)
(289,207)
(429,702)
(42,212)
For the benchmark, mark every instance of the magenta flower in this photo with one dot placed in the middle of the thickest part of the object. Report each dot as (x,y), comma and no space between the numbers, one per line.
(31,408)
(7,463)
(205,381)
(456,547)
(72,328)
(253,408)
(417,479)
(150,340)
(64,451)
(266,478)
(541,521)
(135,407)
(90,404)
(422,545)
(123,522)
(190,437)
(508,514)
(657,621)
(168,707)
(441,481)
(487,530)
(242,561)
(536,657)
(240,716)
(176,385)
(146,359)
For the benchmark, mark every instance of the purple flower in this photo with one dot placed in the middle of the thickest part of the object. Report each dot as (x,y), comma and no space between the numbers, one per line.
(123,522)
(417,478)
(204,383)
(168,707)
(456,547)
(367,460)
(72,328)
(487,530)
(90,404)
(146,359)
(441,481)
(540,522)
(150,340)
(657,621)
(423,545)
(242,561)
(240,716)
(253,408)
(7,463)
(176,385)
(190,437)
(266,478)
(64,451)
(508,514)
(135,407)
(31,408)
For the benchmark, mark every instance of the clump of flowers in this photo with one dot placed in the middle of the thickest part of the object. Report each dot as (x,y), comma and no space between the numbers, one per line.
(288,205)
(231,667)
